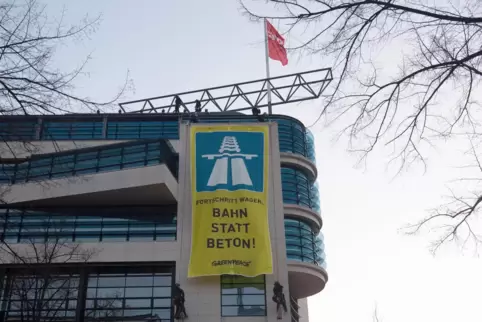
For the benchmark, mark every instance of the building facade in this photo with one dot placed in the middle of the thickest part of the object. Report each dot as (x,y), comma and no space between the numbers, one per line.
(96,218)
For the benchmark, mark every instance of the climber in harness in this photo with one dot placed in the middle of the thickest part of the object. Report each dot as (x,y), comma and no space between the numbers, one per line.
(279,299)
(179,299)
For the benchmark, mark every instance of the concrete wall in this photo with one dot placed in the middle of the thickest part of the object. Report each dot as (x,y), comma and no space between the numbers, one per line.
(129,181)
(204,294)
(166,251)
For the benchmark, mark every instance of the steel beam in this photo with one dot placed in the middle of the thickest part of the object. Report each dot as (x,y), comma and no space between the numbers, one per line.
(238,97)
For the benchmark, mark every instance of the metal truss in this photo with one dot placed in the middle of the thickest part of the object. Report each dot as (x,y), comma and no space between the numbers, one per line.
(238,97)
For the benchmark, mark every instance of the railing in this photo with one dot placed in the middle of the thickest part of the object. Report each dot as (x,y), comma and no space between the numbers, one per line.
(18,129)
(119,130)
(293,136)
(70,130)
(90,160)
(298,189)
(239,97)
(302,244)
(100,224)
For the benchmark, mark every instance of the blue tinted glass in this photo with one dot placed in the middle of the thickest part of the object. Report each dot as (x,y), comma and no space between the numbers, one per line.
(75,130)
(302,243)
(142,129)
(18,131)
(297,189)
(81,162)
(26,225)
(293,136)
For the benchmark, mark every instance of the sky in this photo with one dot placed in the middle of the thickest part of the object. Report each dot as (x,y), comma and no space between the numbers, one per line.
(173,46)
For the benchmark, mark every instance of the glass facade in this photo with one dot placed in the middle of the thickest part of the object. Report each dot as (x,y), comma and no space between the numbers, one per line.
(299,190)
(21,129)
(91,160)
(88,224)
(72,129)
(119,130)
(128,295)
(87,293)
(293,136)
(55,295)
(310,146)
(243,296)
(302,243)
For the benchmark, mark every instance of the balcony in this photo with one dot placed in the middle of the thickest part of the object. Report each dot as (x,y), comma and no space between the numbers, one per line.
(88,224)
(296,161)
(299,190)
(306,259)
(139,172)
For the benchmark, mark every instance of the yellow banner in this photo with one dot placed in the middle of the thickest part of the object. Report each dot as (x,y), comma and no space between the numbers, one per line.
(229,177)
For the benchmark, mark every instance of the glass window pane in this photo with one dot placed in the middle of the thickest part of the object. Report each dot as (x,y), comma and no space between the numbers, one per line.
(242,290)
(243,296)
(87,238)
(139,292)
(111,292)
(162,292)
(137,303)
(113,237)
(230,311)
(140,237)
(160,280)
(134,312)
(111,281)
(139,281)
(162,302)
(243,311)
(163,314)
(91,292)
(67,225)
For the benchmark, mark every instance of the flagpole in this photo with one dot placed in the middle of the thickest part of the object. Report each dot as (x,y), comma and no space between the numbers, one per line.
(268,86)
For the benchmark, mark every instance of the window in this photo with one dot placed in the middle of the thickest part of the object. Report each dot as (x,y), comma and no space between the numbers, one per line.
(18,130)
(111,224)
(72,130)
(91,160)
(297,189)
(57,295)
(293,138)
(124,295)
(302,244)
(120,130)
(243,296)
(97,293)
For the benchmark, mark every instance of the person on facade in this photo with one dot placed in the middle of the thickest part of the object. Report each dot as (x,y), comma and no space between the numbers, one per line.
(179,300)
(279,299)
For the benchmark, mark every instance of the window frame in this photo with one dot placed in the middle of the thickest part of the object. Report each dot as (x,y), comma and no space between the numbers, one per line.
(244,284)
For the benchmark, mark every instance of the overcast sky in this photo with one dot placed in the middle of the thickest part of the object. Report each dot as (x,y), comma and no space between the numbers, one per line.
(173,46)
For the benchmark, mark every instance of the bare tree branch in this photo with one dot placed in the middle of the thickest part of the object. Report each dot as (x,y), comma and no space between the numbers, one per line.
(29,82)
(430,97)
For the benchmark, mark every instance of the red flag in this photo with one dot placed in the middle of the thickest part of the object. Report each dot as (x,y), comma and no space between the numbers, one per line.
(276,42)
